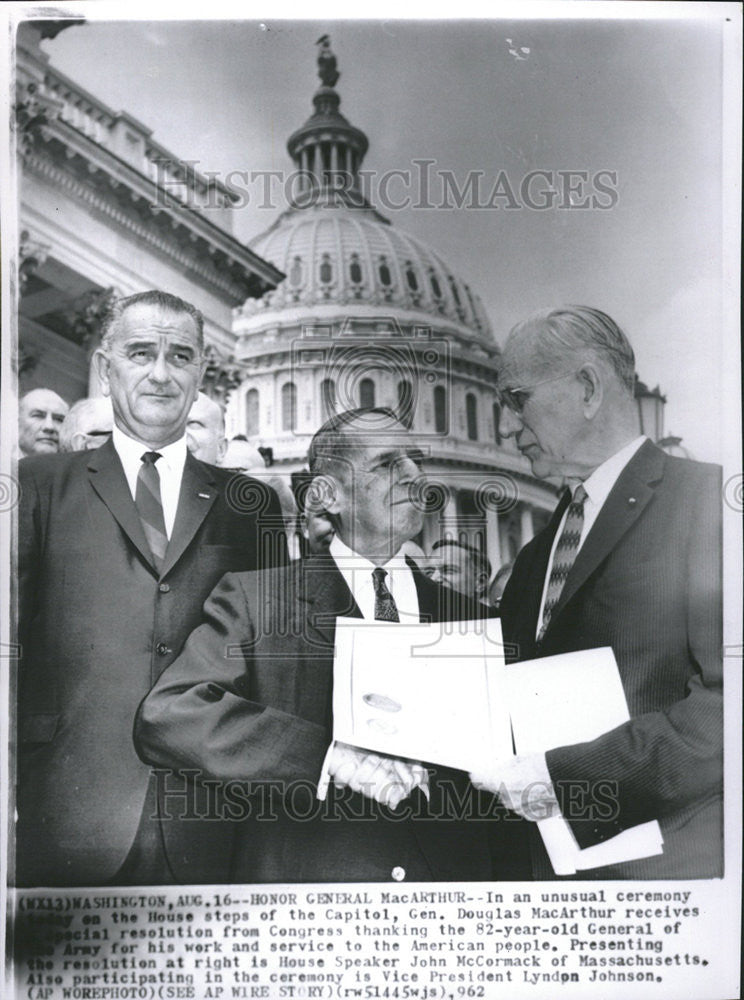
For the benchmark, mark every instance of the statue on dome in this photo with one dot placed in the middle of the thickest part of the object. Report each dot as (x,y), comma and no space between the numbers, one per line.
(327,63)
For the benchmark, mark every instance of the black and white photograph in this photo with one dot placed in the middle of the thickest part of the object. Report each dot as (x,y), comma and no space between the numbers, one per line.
(371,491)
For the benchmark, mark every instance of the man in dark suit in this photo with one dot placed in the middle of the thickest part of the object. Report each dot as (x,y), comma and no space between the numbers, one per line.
(631,560)
(250,698)
(118,548)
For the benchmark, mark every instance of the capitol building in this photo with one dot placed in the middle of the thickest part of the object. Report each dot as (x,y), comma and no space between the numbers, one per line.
(368,315)
(330,308)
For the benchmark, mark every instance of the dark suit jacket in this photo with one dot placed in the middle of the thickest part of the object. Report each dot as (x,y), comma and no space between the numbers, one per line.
(97,626)
(647,582)
(250,701)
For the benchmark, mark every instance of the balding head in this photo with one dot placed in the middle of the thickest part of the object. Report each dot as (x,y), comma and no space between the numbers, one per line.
(205,430)
(40,416)
(88,424)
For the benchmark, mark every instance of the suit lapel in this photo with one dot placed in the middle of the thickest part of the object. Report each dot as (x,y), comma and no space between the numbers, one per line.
(627,500)
(108,480)
(323,595)
(198,494)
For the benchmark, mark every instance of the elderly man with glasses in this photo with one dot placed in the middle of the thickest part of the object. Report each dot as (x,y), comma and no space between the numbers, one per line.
(630,560)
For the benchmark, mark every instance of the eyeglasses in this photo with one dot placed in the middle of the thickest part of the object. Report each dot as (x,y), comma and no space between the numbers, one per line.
(515,399)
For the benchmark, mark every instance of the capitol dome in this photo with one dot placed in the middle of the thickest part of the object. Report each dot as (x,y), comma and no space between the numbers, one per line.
(368,315)
(351,256)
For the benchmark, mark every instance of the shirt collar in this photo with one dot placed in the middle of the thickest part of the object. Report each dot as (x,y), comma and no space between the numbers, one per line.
(131,451)
(344,556)
(599,485)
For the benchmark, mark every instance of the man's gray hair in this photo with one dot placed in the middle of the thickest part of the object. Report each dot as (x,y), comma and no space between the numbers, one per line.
(164,300)
(579,328)
(333,441)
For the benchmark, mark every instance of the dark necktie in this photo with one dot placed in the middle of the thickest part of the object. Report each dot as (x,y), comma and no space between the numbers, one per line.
(150,507)
(385,609)
(564,555)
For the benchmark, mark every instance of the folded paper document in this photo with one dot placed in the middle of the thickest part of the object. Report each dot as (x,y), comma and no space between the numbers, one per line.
(433,692)
(561,700)
(442,694)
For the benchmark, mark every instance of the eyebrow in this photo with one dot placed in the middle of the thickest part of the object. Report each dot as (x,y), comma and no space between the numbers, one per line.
(393,455)
(143,341)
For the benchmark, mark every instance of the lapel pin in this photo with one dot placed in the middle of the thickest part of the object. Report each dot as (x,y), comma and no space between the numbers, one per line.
(631,500)
(204,496)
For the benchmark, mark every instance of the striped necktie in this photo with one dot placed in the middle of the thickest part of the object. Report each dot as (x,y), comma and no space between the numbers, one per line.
(150,507)
(564,555)
(385,609)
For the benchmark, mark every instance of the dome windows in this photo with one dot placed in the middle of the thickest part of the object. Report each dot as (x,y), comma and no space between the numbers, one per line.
(327,398)
(435,286)
(441,413)
(471,416)
(386,279)
(295,272)
(496,423)
(289,406)
(367,393)
(326,270)
(411,277)
(355,270)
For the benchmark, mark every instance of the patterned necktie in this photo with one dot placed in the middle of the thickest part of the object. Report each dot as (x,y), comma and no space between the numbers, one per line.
(385,609)
(564,555)
(150,507)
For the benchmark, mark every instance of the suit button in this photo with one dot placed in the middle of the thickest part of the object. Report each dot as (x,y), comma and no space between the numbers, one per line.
(398,873)
(164,588)
(162,649)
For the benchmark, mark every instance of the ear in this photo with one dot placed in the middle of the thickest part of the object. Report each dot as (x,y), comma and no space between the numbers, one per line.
(323,495)
(481,584)
(592,387)
(78,441)
(221,449)
(101,368)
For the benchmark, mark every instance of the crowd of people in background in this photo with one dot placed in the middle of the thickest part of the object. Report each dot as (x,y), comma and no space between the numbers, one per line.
(48,425)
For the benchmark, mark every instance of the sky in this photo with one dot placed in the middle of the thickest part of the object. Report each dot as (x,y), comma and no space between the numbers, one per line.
(634,105)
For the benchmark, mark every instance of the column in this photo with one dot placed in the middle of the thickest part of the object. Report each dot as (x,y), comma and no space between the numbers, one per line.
(527,527)
(94,383)
(334,161)
(493,541)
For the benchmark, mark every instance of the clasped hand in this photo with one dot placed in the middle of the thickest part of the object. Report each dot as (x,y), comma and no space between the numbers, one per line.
(386,780)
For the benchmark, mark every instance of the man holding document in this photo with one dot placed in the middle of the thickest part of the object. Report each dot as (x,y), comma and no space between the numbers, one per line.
(631,560)
(250,699)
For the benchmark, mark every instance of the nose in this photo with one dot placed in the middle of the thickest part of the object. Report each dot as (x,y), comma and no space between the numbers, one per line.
(434,574)
(160,372)
(47,422)
(510,423)
(405,471)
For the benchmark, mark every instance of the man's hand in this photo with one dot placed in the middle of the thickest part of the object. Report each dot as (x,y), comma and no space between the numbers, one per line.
(384,779)
(523,784)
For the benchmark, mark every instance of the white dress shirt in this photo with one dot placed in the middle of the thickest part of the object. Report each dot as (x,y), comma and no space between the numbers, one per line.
(357,571)
(170,470)
(598,487)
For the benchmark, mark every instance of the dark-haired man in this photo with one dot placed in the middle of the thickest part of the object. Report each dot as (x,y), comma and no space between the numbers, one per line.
(461,566)
(41,413)
(118,547)
(249,699)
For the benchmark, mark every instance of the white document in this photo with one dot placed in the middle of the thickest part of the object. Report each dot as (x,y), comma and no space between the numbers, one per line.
(561,700)
(433,693)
